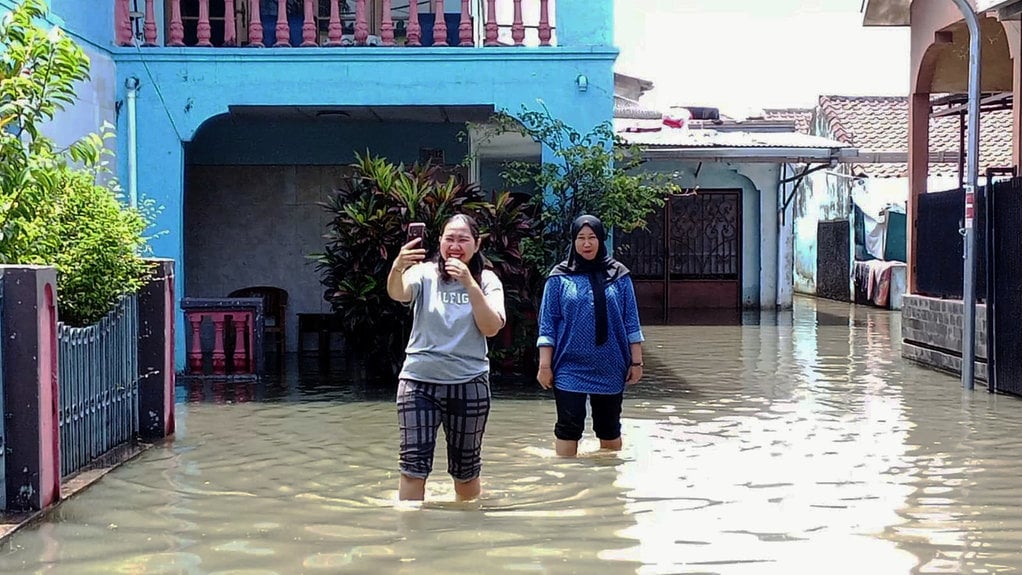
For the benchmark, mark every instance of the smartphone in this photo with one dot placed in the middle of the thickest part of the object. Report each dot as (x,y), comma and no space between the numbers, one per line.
(416,230)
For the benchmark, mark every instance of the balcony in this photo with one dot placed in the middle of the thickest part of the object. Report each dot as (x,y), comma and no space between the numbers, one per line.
(334,23)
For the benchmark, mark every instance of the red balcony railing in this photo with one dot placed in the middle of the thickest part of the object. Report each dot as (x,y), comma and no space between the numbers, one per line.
(311,23)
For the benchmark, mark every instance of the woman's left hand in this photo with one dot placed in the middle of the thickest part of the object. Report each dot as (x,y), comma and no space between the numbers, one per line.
(459,271)
(634,375)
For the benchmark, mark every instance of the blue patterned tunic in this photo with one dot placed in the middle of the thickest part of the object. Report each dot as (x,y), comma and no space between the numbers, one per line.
(567,324)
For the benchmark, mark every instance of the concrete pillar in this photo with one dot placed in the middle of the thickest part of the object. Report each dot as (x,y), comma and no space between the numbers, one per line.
(768,246)
(918,171)
(786,247)
(156,313)
(30,388)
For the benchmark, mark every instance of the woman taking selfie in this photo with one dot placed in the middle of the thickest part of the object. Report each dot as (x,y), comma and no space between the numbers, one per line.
(457,302)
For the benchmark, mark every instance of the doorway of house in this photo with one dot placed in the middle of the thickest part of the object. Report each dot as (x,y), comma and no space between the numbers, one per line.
(687,264)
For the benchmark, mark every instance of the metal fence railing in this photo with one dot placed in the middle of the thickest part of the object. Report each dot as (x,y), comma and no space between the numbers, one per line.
(98,376)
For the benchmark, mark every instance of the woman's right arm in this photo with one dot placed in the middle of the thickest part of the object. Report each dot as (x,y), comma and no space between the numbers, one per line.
(397,288)
(549,317)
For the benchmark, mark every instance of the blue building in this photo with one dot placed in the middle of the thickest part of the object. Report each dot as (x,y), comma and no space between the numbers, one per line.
(237,144)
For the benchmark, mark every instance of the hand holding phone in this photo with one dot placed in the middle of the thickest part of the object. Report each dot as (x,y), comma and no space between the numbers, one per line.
(417,230)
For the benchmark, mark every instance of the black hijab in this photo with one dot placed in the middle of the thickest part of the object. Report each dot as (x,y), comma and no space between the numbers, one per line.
(602,270)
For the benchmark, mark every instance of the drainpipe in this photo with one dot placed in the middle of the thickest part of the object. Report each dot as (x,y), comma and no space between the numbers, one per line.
(972,177)
(132,84)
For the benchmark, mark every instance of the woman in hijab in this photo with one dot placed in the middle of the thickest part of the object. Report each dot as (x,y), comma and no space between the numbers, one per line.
(590,342)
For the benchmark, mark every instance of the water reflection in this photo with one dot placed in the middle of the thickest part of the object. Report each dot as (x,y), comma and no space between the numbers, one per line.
(796,442)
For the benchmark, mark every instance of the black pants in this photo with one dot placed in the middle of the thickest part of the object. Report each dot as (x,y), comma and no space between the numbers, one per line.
(571,415)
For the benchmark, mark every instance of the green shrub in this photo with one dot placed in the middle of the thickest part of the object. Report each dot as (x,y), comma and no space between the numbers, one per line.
(96,244)
(52,212)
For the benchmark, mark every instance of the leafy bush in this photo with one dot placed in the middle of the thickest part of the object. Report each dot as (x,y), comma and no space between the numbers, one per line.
(96,247)
(52,211)
(370,213)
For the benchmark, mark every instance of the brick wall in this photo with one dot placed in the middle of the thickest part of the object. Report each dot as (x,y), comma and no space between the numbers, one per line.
(931,333)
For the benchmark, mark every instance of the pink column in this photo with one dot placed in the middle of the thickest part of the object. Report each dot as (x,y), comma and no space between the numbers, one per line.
(177,31)
(491,23)
(283,30)
(240,359)
(387,24)
(150,23)
(309,27)
(195,346)
(230,24)
(361,23)
(465,26)
(203,31)
(439,25)
(414,30)
(544,23)
(255,25)
(518,26)
(122,23)
(250,342)
(335,32)
(219,357)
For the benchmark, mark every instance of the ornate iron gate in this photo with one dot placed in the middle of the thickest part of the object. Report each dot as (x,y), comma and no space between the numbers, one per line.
(1004,282)
(689,257)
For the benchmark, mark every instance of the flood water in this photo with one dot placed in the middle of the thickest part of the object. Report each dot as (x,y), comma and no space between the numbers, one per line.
(797,443)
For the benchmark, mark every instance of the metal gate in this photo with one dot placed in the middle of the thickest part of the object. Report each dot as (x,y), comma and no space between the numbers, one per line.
(1004,283)
(688,259)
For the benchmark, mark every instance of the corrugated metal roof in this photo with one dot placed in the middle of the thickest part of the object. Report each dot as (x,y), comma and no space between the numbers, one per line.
(629,110)
(681,138)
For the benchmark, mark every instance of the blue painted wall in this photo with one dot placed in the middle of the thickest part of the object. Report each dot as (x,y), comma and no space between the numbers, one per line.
(183,88)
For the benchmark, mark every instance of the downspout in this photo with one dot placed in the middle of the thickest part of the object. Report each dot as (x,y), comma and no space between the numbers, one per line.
(972,177)
(132,84)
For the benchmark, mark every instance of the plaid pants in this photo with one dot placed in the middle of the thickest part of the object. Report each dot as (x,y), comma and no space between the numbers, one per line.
(462,408)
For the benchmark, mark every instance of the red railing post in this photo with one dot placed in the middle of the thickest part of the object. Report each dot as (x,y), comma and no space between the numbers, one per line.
(414,29)
(230,24)
(239,361)
(544,23)
(177,30)
(439,24)
(255,25)
(219,356)
(387,24)
(308,26)
(122,23)
(195,346)
(204,32)
(361,23)
(518,26)
(150,23)
(465,26)
(283,29)
(335,32)
(491,23)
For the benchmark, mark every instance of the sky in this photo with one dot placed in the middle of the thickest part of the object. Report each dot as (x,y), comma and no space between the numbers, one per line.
(745,55)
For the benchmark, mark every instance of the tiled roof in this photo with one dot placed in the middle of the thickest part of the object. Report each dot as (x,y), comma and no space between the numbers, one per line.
(803,117)
(880,123)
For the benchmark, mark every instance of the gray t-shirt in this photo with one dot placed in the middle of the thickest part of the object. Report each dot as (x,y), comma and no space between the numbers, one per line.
(446,346)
